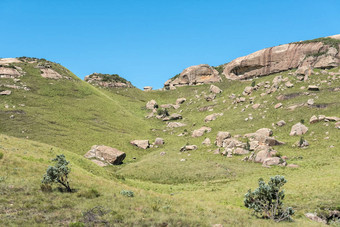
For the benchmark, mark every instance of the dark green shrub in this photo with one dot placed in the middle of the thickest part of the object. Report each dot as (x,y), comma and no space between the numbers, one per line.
(253,83)
(127,193)
(266,200)
(58,173)
(1,155)
(163,112)
(301,141)
(302,121)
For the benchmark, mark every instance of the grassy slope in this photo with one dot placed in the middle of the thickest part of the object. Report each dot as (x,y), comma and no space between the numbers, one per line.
(57,114)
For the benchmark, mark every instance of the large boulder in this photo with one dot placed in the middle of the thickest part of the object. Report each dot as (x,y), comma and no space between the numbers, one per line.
(101,155)
(200,132)
(152,104)
(298,129)
(180,101)
(313,54)
(144,144)
(188,148)
(175,124)
(50,74)
(194,75)
(221,136)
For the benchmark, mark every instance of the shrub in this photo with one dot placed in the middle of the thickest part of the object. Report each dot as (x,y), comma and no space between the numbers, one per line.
(301,141)
(302,121)
(58,173)
(253,83)
(127,193)
(1,155)
(163,112)
(266,200)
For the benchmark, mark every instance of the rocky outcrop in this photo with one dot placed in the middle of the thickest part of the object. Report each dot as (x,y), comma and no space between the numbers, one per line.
(316,53)
(50,74)
(104,155)
(8,72)
(194,75)
(108,80)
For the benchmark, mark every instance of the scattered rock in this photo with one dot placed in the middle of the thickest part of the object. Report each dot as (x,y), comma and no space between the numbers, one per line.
(212,117)
(221,136)
(298,129)
(313,119)
(289,84)
(247,90)
(151,105)
(271,161)
(292,166)
(144,144)
(256,106)
(313,88)
(7,92)
(206,142)
(214,89)
(315,218)
(240,151)
(310,102)
(278,105)
(159,141)
(281,123)
(175,124)
(180,101)
(265,131)
(199,132)
(188,148)
(102,155)
(162,153)
(147,88)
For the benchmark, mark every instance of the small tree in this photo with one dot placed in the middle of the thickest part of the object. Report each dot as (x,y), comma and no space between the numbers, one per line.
(58,173)
(266,200)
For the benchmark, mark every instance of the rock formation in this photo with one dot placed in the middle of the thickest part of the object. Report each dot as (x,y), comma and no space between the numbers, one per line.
(194,75)
(104,155)
(107,80)
(318,53)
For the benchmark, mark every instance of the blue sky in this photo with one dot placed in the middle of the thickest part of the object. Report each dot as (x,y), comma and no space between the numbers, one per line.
(149,41)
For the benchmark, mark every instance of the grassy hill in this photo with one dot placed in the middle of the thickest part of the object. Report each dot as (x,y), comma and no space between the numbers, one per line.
(69,116)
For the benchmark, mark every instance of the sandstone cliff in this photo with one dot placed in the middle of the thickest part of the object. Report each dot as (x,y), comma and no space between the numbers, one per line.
(318,53)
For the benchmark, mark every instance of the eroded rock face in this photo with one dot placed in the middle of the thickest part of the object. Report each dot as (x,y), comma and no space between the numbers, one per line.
(7,72)
(108,80)
(50,74)
(282,58)
(194,75)
(103,155)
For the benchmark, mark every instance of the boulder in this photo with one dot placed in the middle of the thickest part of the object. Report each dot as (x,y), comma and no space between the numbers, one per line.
(159,141)
(271,161)
(240,151)
(180,101)
(200,132)
(105,154)
(289,84)
(210,97)
(152,104)
(281,123)
(270,141)
(313,119)
(175,116)
(313,88)
(214,89)
(337,125)
(263,155)
(6,92)
(175,124)
(232,143)
(206,142)
(212,117)
(265,131)
(247,90)
(256,106)
(144,144)
(278,105)
(194,75)
(315,218)
(298,129)
(221,136)
(188,148)
(310,102)
(332,118)
(147,88)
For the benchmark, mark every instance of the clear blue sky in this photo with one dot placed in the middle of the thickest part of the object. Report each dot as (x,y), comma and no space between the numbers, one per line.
(149,41)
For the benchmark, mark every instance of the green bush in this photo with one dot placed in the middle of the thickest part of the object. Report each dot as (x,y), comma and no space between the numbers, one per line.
(1,155)
(163,112)
(127,193)
(76,224)
(253,83)
(266,200)
(58,173)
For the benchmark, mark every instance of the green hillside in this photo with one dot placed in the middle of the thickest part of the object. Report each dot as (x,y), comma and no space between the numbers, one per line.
(69,116)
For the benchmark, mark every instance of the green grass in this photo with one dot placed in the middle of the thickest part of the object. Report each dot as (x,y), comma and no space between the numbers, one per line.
(325,40)
(69,116)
